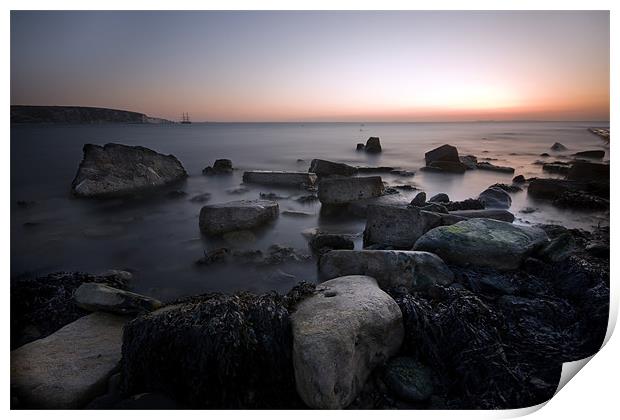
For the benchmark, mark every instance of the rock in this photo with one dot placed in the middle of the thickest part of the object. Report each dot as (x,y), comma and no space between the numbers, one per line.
(327,168)
(494,197)
(402,172)
(440,198)
(519,179)
(468,204)
(419,200)
(399,227)
(282,178)
(483,242)
(322,243)
(147,401)
(414,270)
(360,147)
(271,196)
(445,153)
(216,351)
(238,190)
(490,167)
(239,237)
(71,366)
(571,194)
(373,145)
(409,379)
(116,169)
(201,198)
(495,214)
(527,210)
(558,147)
(101,297)
(469,161)
(556,168)
(360,207)
(558,249)
(309,198)
(434,207)
(588,171)
(445,166)
(507,188)
(236,215)
(591,154)
(544,154)
(220,167)
(295,213)
(345,190)
(340,334)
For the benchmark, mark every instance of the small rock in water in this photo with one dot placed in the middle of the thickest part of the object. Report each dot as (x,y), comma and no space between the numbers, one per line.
(220,167)
(468,204)
(373,145)
(409,379)
(360,147)
(176,194)
(101,297)
(238,190)
(271,196)
(295,213)
(345,190)
(434,207)
(201,198)
(558,147)
(507,188)
(446,166)
(327,168)
(325,242)
(402,172)
(490,167)
(528,210)
(419,200)
(236,215)
(519,179)
(445,153)
(282,178)
(591,154)
(310,198)
(440,198)
(469,161)
(494,197)
(544,155)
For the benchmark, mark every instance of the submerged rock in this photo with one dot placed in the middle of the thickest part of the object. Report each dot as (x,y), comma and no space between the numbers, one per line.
(327,168)
(345,190)
(236,215)
(101,297)
(220,167)
(373,145)
(445,153)
(201,198)
(494,197)
(508,188)
(445,166)
(340,334)
(116,169)
(282,178)
(483,242)
(70,367)
(399,227)
(411,269)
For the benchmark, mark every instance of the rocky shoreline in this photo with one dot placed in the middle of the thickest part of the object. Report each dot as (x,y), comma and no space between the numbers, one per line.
(449,305)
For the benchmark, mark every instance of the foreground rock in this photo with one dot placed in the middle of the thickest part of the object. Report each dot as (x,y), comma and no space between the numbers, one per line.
(220,167)
(116,169)
(344,190)
(323,168)
(281,178)
(412,269)
(495,197)
(340,334)
(101,297)
(398,227)
(216,219)
(71,366)
(483,243)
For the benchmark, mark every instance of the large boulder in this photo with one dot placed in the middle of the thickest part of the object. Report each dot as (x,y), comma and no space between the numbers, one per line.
(322,167)
(399,227)
(495,197)
(588,171)
(340,334)
(101,297)
(70,367)
(483,243)
(116,169)
(373,145)
(495,214)
(281,178)
(345,190)
(445,153)
(216,219)
(412,269)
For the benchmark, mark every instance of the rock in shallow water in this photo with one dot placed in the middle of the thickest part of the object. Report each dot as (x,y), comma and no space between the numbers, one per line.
(344,190)
(237,215)
(495,197)
(483,242)
(445,153)
(495,214)
(101,297)
(347,328)
(373,145)
(71,366)
(411,269)
(116,169)
(327,168)
(399,227)
(282,178)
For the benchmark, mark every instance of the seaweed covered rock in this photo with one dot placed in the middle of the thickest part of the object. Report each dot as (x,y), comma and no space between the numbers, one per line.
(347,328)
(483,242)
(42,305)
(116,169)
(411,269)
(216,351)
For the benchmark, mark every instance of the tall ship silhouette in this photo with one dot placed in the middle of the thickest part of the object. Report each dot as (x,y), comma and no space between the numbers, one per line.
(185,118)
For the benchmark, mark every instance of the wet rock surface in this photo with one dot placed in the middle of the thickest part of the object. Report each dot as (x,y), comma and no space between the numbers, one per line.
(116,169)
(487,166)
(399,227)
(495,197)
(344,190)
(236,215)
(327,168)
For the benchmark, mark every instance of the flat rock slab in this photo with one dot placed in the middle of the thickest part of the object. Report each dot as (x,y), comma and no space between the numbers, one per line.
(281,178)
(70,367)
(116,169)
(495,214)
(344,190)
(399,227)
(327,168)
(483,243)
(413,269)
(340,334)
(101,297)
(216,219)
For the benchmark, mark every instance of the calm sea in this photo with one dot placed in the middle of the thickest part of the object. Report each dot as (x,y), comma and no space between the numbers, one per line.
(158,236)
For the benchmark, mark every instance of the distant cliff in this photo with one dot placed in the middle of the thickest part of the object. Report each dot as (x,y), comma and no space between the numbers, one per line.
(78,115)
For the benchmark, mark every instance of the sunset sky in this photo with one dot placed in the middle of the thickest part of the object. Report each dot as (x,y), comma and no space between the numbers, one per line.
(317,66)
